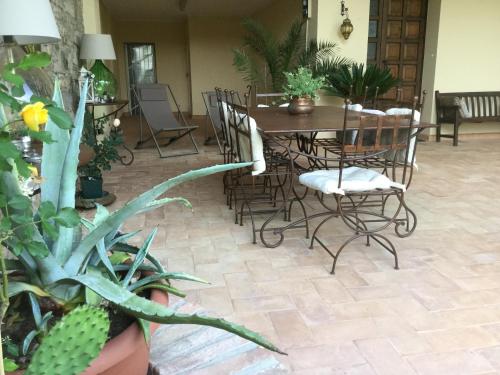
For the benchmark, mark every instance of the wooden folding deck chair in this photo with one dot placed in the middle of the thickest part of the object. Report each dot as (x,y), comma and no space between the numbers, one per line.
(164,127)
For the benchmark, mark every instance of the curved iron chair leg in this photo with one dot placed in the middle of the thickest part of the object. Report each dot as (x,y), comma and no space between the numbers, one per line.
(235,206)
(250,213)
(409,214)
(337,254)
(299,199)
(332,215)
(390,248)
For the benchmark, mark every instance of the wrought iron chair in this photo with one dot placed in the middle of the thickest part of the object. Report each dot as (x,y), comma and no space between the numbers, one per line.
(265,186)
(362,178)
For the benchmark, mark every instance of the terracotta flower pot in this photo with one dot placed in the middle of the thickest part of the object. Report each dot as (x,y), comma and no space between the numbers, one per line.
(86,155)
(301,106)
(127,353)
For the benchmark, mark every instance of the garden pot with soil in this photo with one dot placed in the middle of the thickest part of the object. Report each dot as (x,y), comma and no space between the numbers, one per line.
(127,353)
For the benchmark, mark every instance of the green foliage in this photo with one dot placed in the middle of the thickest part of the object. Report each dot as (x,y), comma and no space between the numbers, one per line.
(72,344)
(302,84)
(351,82)
(60,256)
(154,312)
(105,149)
(9,365)
(264,57)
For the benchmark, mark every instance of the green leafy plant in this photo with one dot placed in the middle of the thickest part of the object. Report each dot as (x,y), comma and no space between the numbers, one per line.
(105,149)
(302,84)
(71,261)
(264,58)
(17,218)
(352,81)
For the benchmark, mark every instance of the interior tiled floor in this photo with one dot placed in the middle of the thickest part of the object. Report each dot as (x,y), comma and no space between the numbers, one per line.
(438,314)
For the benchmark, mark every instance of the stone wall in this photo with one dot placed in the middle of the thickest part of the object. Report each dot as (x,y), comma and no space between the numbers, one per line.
(65,62)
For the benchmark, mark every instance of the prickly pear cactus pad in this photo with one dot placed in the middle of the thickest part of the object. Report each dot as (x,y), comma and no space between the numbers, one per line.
(72,343)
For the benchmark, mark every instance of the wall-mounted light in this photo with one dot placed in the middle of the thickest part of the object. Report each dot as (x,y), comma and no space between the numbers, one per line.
(346,28)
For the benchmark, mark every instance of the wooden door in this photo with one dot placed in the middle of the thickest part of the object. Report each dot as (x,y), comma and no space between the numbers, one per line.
(396,38)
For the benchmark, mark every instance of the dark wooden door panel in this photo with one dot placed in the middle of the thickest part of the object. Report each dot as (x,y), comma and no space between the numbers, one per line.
(396,40)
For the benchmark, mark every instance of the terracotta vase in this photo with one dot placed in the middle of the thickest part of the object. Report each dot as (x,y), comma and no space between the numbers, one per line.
(301,106)
(86,155)
(127,353)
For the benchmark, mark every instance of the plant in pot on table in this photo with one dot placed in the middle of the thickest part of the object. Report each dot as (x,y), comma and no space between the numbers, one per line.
(66,278)
(91,183)
(301,89)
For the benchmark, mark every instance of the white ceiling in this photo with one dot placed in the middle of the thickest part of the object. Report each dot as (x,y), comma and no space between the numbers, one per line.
(164,10)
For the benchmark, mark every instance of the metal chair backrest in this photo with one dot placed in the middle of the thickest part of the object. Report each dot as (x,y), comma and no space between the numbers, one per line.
(239,125)
(377,135)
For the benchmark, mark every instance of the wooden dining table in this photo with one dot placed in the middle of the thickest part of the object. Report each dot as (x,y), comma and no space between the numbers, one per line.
(275,121)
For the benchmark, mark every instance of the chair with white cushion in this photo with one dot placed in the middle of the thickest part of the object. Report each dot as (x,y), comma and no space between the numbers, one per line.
(354,190)
(263,187)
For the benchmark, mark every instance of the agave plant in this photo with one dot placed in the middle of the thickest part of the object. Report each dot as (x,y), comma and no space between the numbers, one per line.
(357,83)
(264,57)
(69,261)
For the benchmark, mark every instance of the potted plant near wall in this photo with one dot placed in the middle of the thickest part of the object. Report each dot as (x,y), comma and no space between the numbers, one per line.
(357,82)
(301,90)
(79,270)
(264,57)
(105,152)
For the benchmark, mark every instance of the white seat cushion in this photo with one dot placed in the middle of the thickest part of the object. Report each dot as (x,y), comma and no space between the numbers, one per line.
(262,106)
(257,154)
(284,105)
(373,112)
(354,107)
(354,179)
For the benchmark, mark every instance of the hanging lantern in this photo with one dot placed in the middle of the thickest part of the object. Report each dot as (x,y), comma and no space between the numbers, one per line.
(87,76)
(346,28)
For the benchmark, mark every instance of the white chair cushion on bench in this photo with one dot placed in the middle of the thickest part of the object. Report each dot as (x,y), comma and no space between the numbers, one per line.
(354,179)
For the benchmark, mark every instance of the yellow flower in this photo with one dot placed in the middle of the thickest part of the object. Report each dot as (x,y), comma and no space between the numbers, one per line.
(34,170)
(35,115)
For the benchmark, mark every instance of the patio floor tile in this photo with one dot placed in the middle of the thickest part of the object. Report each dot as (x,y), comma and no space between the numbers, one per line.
(439,314)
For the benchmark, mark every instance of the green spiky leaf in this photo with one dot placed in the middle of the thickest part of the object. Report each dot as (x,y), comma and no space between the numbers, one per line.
(154,312)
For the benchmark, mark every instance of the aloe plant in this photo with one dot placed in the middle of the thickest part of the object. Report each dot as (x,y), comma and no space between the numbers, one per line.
(75,264)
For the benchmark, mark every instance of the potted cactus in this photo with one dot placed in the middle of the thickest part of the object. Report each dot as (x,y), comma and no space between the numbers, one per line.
(60,262)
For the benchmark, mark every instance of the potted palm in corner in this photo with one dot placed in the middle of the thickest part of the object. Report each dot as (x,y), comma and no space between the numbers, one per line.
(65,268)
(301,89)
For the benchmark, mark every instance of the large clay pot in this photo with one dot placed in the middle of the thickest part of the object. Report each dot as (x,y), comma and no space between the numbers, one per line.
(86,155)
(301,106)
(127,353)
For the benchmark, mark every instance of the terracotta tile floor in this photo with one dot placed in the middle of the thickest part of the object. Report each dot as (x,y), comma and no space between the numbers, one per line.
(439,314)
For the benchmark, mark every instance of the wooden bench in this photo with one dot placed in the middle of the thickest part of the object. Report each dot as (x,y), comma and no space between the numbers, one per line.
(458,107)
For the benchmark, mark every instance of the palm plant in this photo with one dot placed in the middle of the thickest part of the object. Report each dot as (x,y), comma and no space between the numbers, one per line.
(71,261)
(356,83)
(262,48)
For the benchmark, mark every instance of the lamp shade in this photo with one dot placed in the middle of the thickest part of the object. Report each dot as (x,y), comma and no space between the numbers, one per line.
(28,21)
(97,47)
